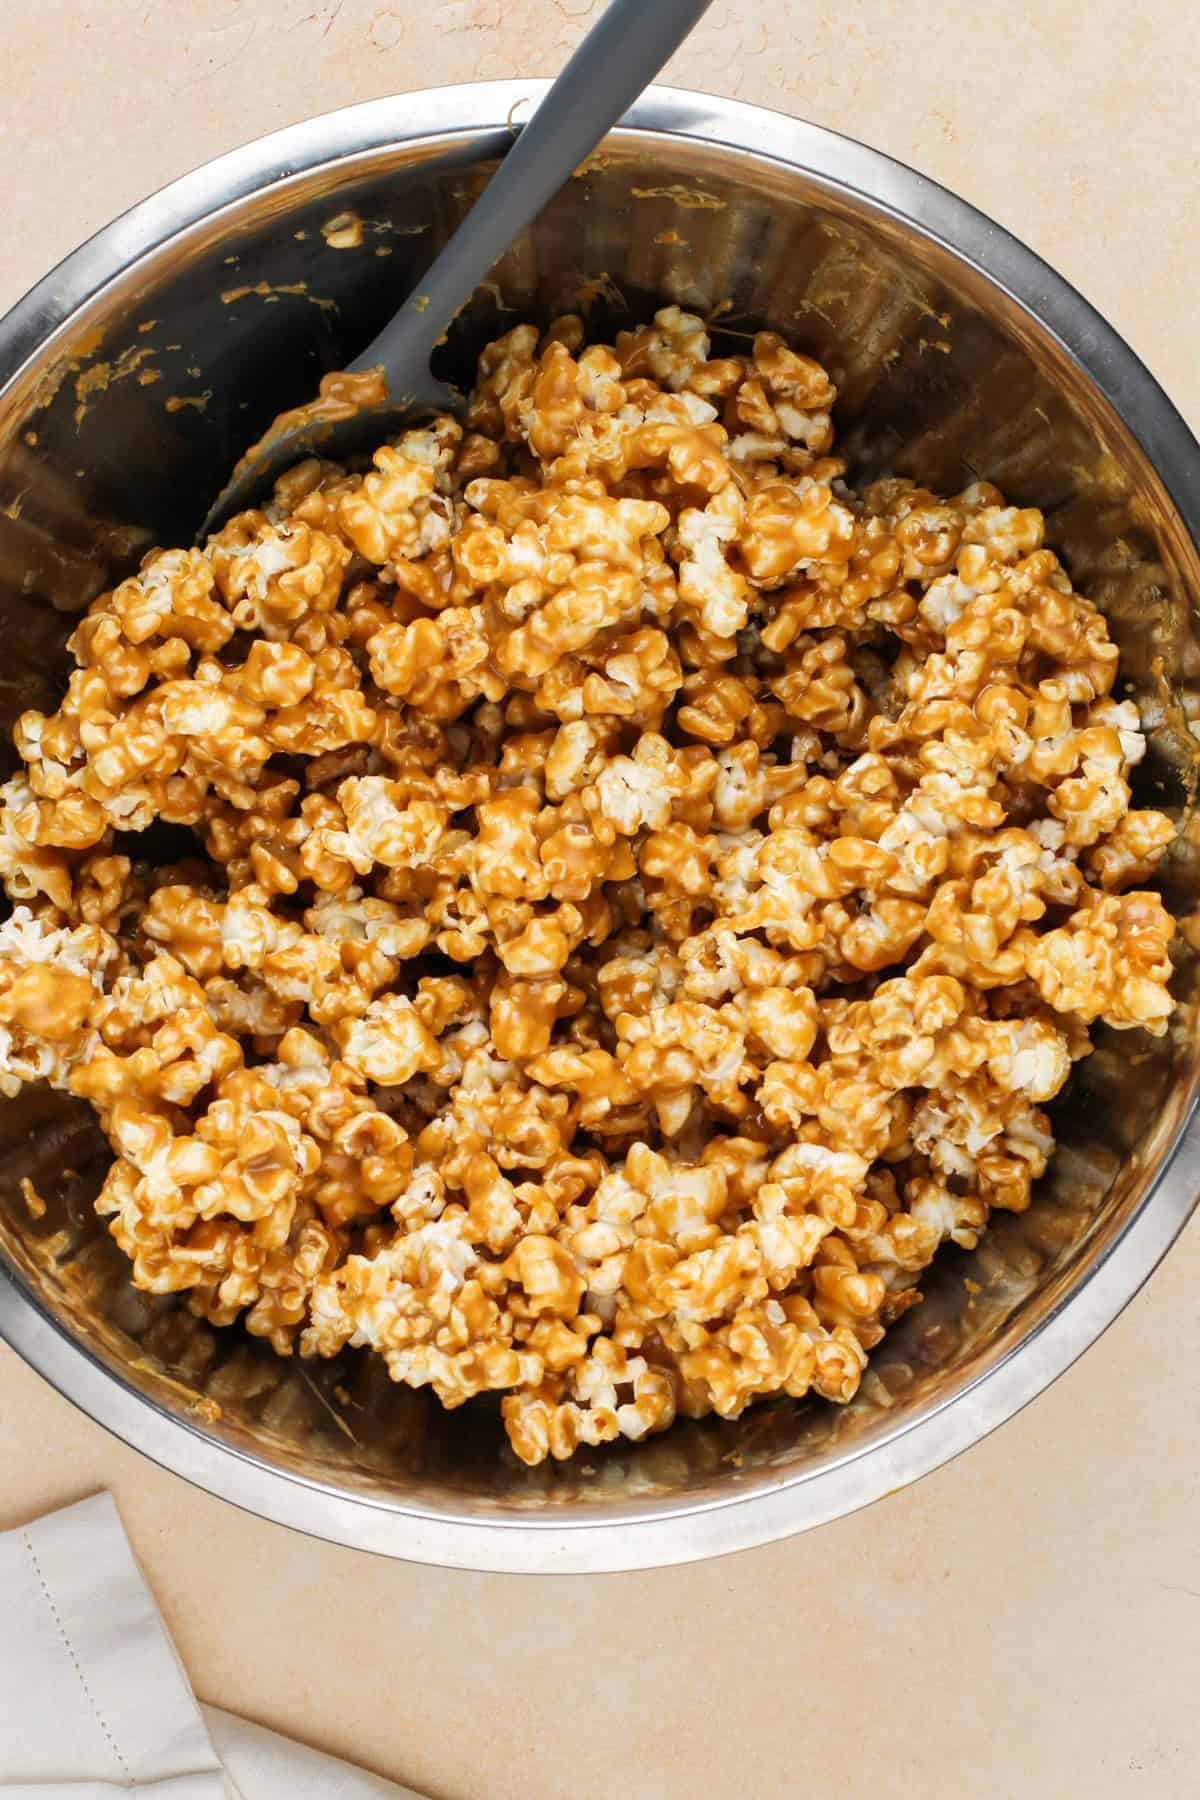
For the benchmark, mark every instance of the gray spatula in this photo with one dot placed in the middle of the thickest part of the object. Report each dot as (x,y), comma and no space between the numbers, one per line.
(620,56)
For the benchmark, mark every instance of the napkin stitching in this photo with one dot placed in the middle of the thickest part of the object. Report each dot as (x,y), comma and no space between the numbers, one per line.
(62,1632)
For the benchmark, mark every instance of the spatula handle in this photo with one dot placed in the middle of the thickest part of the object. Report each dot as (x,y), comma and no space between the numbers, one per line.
(620,56)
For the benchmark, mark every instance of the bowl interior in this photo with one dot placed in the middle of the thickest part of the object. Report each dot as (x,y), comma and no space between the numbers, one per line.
(117,434)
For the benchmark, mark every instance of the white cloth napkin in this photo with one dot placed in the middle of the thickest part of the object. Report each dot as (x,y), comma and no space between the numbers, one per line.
(94,1701)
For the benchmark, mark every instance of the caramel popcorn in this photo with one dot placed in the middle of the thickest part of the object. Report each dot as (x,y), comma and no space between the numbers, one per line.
(636,896)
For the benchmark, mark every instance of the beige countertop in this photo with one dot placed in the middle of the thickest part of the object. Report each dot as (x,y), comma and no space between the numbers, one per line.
(1025,1622)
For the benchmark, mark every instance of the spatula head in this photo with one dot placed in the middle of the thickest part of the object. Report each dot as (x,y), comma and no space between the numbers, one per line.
(351,427)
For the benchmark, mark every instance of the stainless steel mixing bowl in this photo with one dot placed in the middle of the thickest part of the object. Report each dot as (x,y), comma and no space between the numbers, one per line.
(130,380)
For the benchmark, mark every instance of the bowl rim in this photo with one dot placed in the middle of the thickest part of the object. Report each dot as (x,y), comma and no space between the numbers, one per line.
(779,1504)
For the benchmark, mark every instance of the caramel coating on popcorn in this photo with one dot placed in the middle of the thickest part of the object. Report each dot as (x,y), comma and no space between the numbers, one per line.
(642,894)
